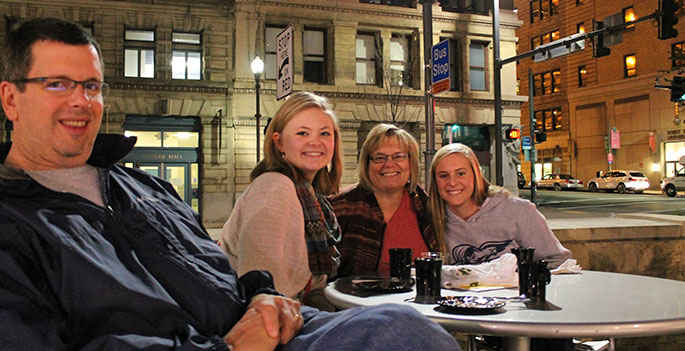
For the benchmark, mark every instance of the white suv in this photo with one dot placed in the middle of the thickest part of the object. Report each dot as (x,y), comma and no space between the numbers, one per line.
(671,185)
(620,181)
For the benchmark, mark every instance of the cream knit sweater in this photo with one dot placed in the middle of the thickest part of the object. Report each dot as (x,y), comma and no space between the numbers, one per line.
(266,232)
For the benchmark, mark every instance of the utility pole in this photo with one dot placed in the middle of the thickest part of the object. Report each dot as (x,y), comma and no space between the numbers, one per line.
(498,94)
(532,152)
(428,98)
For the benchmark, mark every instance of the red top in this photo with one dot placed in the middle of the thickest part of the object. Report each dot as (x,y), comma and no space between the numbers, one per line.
(402,231)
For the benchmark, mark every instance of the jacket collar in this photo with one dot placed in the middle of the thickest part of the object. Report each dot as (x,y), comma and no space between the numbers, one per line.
(107,149)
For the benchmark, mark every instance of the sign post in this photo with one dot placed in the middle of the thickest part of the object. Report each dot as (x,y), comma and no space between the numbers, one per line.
(440,67)
(284,49)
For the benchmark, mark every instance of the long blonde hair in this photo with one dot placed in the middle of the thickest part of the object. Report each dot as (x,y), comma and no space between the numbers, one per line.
(327,180)
(481,187)
(380,134)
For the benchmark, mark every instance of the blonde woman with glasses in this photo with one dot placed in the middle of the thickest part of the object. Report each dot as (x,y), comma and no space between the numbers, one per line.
(387,209)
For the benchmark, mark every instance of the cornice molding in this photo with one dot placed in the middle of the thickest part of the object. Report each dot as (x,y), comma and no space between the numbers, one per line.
(250,122)
(169,88)
(383,97)
(396,13)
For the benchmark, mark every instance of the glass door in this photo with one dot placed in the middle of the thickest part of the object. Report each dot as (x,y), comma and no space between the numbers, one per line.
(154,169)
(182,176)
(177,175)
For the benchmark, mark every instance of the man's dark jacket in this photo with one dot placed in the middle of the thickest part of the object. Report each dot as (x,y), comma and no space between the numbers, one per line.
(141,273)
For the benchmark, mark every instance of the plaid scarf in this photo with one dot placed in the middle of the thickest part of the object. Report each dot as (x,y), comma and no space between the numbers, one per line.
(321,230)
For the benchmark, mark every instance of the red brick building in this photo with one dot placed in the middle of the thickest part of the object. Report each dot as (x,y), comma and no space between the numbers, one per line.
(579,98)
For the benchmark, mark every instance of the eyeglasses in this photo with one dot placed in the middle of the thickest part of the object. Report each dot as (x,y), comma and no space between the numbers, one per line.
(397,157)
(66,86)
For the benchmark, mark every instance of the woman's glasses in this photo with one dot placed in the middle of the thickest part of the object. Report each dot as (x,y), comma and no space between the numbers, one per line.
(381,158)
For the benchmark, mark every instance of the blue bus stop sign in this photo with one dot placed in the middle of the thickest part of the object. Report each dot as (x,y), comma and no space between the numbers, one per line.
(440,67)
(526,143)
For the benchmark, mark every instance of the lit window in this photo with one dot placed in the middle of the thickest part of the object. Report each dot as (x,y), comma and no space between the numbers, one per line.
(544,9)
(629,16)
(582,72)
(400,64)
(555,7)
(313,47)
(538,121)
(549,120)
(139,53)
(477,68)
(366,59)
(579,2)
(537,83)
(270,63)
(547,83)
(534,11)
(186,57)
(580,27)
(535,42)
(555,35)
(546,38)
(556,113)
(630,64)
(556,81)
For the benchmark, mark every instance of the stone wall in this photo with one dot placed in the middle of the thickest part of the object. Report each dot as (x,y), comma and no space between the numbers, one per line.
(644,244)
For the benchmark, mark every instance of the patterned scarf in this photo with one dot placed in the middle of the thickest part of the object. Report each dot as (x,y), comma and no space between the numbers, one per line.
(321,230)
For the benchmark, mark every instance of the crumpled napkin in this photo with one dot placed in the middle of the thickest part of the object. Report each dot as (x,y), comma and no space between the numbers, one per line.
(570,266)
(498,272)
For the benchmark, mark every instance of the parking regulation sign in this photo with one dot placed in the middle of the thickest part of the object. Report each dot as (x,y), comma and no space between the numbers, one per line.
(440,67)
(284,52)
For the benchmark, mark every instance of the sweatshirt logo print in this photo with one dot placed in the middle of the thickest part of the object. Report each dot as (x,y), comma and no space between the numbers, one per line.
(469,254)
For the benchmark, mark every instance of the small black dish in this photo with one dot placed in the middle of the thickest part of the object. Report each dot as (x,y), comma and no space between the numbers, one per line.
(370,286)
(472,305)
(384,285)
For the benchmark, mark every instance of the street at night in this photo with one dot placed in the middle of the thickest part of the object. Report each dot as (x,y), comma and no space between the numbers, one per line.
(584,204)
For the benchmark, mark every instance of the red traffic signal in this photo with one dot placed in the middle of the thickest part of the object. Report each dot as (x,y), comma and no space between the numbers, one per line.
(513,133)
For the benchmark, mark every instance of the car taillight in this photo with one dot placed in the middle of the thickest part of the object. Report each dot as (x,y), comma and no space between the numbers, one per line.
(632,179)
(580,182)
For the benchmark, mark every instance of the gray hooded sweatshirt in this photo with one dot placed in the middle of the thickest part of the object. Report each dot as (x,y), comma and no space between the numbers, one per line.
(503,222)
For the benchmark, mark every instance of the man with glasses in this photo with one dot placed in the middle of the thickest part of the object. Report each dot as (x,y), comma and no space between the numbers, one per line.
(96,256)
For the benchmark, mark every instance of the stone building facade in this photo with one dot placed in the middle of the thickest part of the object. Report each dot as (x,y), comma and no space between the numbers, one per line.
(579,99)
(182,83)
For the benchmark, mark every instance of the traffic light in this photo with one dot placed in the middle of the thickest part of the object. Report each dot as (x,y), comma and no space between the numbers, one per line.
(512,134)
(599,49)
(540,137)
(667,19)
(678,89)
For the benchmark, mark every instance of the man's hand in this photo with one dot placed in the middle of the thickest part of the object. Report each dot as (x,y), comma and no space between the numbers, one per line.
(249,334)
(281,315)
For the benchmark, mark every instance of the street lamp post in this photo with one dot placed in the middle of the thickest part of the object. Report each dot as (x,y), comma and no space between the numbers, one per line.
(257,67)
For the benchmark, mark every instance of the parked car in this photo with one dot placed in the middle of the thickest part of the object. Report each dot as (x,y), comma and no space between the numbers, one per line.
(671,185)
(620,181)
(559,182)
(521,180)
